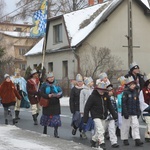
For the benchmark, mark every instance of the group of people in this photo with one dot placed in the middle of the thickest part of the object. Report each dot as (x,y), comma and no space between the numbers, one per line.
(97,108)
(102,109)
(16,93)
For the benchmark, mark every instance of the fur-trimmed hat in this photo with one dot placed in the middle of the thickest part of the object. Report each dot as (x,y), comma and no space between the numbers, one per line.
(133,66)
(101,86)
(50,74)
(110,87)
(6,76)
(33,71)
(79,78)
(102,75)
(130,80)
(88,80)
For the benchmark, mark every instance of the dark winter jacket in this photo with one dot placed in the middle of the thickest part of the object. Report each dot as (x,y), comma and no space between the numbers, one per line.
(54,103)
(130,103)
(98,105)
(140,77)
(74,100)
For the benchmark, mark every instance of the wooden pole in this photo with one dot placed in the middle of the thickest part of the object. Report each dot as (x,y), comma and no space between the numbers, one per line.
(130,33)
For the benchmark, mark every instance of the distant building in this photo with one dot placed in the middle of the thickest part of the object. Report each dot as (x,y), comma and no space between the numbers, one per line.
(16,40)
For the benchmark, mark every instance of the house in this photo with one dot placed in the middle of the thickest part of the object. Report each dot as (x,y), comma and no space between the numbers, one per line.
(16,40)
(70,37)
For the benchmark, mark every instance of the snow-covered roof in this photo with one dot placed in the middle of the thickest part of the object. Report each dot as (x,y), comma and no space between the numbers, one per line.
(146,3)
(79,24)
(37,49)
(15,34)
(74,20)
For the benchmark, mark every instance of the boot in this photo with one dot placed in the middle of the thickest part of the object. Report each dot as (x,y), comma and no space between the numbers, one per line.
(17,115)
(103,146)
(6,121)
(125,142)
(93,143)
(56,132)
(138,142)
(45,130)
(14,121)
(35,119)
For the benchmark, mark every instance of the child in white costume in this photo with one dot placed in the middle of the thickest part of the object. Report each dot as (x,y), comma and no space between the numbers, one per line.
(84,95)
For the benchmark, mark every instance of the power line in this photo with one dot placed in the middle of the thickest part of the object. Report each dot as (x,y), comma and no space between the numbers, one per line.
(15,10)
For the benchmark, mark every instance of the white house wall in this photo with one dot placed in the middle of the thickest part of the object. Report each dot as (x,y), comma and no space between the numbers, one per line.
(57,59)
(111,34)
(50,44)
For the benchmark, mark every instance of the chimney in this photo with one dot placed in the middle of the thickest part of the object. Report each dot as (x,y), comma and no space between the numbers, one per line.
(91,2)
(100,1)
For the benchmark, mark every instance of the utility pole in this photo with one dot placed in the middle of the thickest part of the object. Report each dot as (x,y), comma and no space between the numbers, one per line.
(130,33)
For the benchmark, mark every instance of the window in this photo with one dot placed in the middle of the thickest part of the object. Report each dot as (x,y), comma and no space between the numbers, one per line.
(65,69)
(22,51)
(57,33)
(18,29)
(22,66)
(50,66)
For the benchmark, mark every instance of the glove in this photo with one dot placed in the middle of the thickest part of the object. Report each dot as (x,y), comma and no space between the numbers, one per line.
(126,116)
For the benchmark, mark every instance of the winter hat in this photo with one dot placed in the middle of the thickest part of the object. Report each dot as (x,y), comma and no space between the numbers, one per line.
(101,86)
(133,66)
(88,80)
(6,76)
(110,87)
(122,80)
(50,74)
(33,71)
(129,80)
(102,75)
(79,78)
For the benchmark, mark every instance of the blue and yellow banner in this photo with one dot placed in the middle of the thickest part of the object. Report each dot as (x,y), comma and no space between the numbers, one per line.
(40,21)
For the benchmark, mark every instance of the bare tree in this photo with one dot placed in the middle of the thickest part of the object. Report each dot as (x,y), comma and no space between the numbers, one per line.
(2,7)
(97,60)
(26,8)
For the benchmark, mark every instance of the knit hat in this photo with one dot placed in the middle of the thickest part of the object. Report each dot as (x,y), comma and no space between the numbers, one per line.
(110,87)
(133,66)
(129,80)
(101,86)
(6,76)
(88,80)
(33,71)
(102,75)
(50,74)
(79,78)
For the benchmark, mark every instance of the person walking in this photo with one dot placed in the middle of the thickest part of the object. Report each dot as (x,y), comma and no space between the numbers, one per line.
(74,103)
(33,94)
(20,84)
(51,114)
(84,95)
(135,73)
(98,104)
(145,106)
(130,112)
(110,122)
(8,94)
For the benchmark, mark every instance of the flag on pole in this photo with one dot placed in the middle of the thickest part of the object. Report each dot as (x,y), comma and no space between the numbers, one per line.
(40,20)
